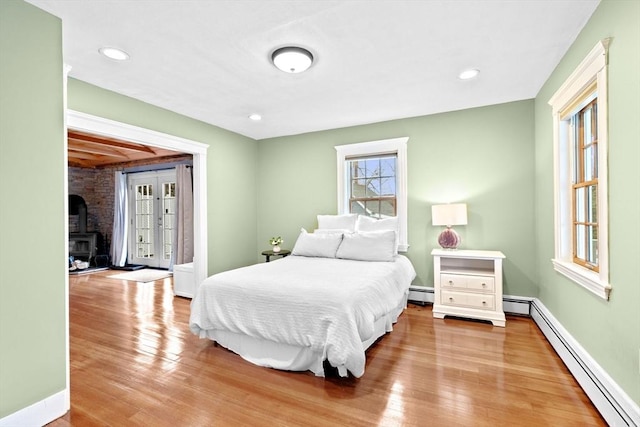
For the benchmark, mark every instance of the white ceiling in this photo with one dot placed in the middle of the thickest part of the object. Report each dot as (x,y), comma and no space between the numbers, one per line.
(375,60)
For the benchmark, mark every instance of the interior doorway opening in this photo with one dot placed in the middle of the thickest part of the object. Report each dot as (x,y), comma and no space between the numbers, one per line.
(105,128)
(95,125)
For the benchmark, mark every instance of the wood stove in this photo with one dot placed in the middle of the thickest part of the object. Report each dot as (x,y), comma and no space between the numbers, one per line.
(82,245)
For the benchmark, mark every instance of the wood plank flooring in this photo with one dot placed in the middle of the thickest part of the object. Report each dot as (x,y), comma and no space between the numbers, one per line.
(135,363)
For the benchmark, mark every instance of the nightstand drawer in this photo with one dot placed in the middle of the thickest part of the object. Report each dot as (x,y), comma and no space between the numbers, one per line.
(486,302)
(480,301)
(461,281)
(450,281)
(481,283)
(453,298)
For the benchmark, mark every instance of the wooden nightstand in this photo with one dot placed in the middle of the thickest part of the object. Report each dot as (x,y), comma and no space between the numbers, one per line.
(468,284)
(268,254)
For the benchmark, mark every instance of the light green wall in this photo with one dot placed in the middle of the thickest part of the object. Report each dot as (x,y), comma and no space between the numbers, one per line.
(481,156)
(32,254)
(609,331)
(231,165)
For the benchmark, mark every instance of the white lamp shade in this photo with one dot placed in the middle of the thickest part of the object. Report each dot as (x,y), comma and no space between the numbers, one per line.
(448,215)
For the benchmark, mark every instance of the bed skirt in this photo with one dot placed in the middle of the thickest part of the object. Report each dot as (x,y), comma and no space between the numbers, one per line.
(288,357)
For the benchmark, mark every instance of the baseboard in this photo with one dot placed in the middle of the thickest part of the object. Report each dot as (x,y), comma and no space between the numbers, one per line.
(615,406)
(511,304)
(40,413)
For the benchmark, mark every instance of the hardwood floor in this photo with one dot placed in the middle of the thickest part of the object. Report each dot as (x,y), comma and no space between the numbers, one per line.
(134,362)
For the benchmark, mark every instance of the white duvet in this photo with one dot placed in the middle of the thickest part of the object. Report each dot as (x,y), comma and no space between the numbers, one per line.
(327,304)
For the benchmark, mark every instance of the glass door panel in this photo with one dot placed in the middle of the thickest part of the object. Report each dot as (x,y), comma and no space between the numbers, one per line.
(144,222)
(168,218)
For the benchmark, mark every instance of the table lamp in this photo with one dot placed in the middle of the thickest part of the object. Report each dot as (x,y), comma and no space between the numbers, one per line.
(449,215)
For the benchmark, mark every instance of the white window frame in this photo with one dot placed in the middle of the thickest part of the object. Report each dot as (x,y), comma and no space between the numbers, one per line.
(397,146)
(564,104)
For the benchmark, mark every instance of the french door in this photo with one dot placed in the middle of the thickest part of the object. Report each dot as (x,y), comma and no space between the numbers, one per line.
(152,217)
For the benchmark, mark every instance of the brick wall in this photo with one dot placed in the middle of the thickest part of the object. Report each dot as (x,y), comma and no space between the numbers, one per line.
(96,187)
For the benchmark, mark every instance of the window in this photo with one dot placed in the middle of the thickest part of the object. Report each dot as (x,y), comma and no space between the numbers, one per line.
(580,174)
(372,185)
(585,186)
(372,181)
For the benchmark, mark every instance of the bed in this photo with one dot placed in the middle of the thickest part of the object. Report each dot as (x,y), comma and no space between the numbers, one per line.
(318,304)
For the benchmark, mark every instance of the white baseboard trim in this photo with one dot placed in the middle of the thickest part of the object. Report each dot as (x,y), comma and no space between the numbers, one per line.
(511,304)
(615,406)
(40,413)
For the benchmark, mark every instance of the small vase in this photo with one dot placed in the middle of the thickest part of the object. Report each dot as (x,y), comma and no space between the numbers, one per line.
(276,248)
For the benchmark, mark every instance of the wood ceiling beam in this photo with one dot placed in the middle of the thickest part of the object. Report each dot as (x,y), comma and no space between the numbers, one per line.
(79,163)
(82,155)
(95,151)
(79,145)
(110,142)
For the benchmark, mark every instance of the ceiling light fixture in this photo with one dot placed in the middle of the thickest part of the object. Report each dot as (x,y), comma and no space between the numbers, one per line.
(468,74)
(292,59)
(114,53)
(255,117)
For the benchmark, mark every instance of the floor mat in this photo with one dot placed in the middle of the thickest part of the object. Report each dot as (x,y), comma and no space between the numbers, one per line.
(145,275)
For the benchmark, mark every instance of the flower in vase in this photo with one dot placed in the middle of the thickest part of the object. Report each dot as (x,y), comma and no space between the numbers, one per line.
(275,241)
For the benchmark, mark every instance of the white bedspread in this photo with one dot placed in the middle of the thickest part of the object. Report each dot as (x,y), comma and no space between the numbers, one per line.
(327,304)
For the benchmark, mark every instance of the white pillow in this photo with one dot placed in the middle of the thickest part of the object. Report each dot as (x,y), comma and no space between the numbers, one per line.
(368,246)
(322,245)
(366,223)
(338,222)
(331,231)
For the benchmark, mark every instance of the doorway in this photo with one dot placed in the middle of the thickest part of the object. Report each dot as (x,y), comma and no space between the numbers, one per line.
(152,210)
(83,122)
(109,128)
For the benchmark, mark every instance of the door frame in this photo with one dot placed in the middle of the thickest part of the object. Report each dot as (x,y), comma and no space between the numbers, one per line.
(83,122)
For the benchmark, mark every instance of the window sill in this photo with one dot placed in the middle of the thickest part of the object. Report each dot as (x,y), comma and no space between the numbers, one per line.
(588,279)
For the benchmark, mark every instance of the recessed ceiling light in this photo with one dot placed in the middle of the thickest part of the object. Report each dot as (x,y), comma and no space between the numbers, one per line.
(292,59)
(468,74)
(114,53)
(255,117)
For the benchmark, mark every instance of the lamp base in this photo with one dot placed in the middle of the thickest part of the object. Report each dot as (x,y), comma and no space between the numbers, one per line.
(449,239)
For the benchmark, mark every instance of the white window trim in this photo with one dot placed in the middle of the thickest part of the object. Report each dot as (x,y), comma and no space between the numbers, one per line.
(592,68)
(385,146)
